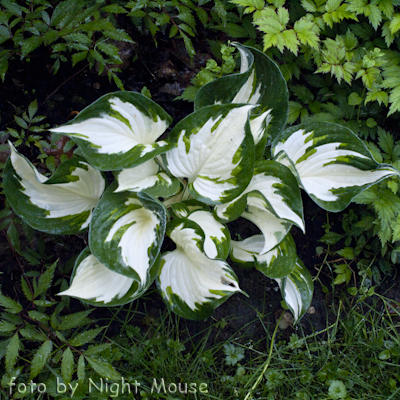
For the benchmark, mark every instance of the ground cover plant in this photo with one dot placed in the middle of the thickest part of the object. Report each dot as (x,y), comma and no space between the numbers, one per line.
(213,157)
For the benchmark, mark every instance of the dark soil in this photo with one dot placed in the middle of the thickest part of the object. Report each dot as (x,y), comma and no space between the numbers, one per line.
(165,71)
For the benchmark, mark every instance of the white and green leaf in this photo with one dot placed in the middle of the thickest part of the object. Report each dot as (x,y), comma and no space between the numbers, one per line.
(147,177)
(127,232)
(119,130)
(61,204)
(332,164)
(272,201)
(95,284)
(297,290)
(217,236)
(215,151)
(259,82)
(192,284)
(276,263)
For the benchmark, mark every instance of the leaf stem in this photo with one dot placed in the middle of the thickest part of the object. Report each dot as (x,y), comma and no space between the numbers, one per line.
(267,362)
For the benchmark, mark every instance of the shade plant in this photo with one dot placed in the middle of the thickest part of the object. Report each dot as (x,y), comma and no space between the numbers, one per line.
(231,158)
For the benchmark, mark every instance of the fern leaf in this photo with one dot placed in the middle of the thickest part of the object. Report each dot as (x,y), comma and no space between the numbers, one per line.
(45,280)
(40,358)
(67,365)
(12,353)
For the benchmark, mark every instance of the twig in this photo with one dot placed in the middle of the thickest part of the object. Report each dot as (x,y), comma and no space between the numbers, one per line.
(58,87)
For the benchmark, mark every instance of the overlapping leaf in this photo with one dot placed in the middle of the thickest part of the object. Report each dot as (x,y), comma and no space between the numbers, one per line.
(147,177)
(332,164)
(215,151)
(61,204)
(259,82)
(119,130)
(271,201)
(192,284)
(127,232)
(276,263)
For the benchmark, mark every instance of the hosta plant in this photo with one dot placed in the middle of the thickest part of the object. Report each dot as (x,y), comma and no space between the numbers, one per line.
(210,170)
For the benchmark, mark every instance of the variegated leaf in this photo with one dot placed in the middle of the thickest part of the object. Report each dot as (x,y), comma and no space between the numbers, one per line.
(183,208)
(147,177)
(272,188)
(192,284)
(272,201)
(95,284)
(332,164)
(119,130)
(215,151)
(127,232)
(259,82)
(61,204)
(217,236)
(276,263)
(297,290)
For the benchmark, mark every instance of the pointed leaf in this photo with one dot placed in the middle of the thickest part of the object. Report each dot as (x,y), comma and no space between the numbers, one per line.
(45,280)
(80,372)
(332,164)
(85,337)
(95,284)
(104,369)
(214,150)
(147,177)
(40,358)
(297,290)
(62,204)
(119,130)
(12,353)
(67,365)
(191,284)
(127,232)
(260,82)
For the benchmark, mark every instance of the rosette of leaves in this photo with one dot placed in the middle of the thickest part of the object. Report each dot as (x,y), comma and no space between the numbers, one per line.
(210,170)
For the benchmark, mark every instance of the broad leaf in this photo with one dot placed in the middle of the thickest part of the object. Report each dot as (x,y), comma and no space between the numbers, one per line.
(277,263)
(119,130)
(147,177)
(215,151)
(61,204)
(127,232)
(297,289)
(332,164)
(272,201)
(260,82)
(95,284)
(192,284)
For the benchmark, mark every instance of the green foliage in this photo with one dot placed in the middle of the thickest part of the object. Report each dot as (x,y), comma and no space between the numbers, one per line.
(348,40)
(81,29)
(211,72)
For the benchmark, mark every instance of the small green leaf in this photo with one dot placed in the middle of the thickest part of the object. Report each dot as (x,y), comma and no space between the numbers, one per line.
(85,337)
(12,353)
(73,320)
(6,326)
(104,369)
(67,365)
(40,358)
(81,369)
(10,305)
(45,280)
